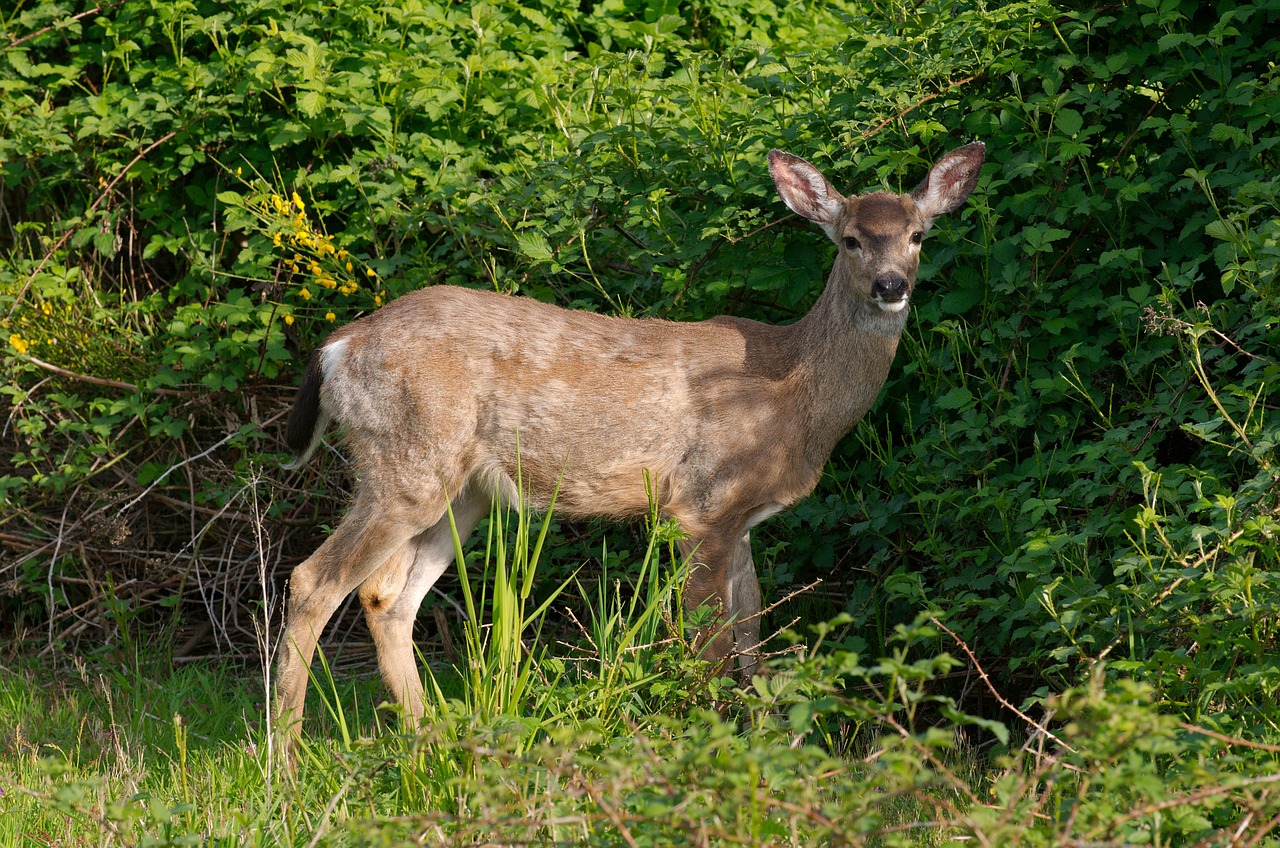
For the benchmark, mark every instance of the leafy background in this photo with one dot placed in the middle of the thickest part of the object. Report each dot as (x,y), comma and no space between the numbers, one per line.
(1073,462)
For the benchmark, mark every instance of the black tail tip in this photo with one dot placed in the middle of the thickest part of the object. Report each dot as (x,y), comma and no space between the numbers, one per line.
(305,414)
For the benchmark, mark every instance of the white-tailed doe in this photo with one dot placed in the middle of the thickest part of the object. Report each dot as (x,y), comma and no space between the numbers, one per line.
(732,420)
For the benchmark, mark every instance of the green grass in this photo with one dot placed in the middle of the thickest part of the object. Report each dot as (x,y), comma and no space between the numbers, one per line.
(102,758)
(92,754)
(625,739)
(82,739)
(614,739)
(96,753)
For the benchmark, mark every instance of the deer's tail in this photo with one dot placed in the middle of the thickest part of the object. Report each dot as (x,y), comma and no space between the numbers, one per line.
(308,418)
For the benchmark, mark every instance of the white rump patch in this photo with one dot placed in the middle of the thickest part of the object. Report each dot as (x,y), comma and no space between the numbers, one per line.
(331,355)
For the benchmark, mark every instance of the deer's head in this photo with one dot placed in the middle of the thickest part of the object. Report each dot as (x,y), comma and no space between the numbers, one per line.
(878,234)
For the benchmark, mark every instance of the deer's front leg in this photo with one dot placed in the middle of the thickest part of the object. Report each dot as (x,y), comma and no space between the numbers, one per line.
(723,576)
(744,606)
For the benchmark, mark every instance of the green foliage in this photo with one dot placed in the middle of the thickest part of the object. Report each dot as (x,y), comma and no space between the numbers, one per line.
(1114,771)
(1075,460)
(1073,466)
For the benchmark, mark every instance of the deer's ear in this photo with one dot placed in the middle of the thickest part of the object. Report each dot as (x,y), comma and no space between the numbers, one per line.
(805,191)
(950,181)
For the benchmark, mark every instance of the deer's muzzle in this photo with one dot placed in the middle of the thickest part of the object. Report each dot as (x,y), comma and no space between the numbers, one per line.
(890,290)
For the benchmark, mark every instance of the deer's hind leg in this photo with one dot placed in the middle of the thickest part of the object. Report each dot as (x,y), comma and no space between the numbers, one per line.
(392,595)
(367,537)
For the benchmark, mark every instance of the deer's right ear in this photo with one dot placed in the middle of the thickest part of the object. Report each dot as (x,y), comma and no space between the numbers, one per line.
(804,189)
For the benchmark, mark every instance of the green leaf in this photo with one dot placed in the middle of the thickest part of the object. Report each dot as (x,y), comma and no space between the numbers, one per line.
(311,103)
(534,246)
(960,301)
(957,398)
(1223,230)
(1069,122)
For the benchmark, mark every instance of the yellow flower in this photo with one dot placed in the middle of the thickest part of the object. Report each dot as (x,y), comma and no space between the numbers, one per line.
(278,203)
(288,319)
(315,268)
(19,343)
(239,171)
(275,239)
(377,300)
(46,308)
(350,267)
(297,201)
(342,254)
(304,294)
(328,283)
(371,273)
(329,316)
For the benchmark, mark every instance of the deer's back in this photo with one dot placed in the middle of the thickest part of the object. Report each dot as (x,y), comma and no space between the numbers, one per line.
(455,380)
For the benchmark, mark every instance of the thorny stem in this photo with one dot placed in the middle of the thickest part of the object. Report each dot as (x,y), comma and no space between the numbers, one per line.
(1004,702)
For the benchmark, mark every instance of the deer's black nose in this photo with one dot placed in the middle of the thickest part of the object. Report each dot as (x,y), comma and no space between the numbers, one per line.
(889,287)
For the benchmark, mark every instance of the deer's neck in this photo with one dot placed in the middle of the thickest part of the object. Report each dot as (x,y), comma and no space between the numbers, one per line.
(846,347)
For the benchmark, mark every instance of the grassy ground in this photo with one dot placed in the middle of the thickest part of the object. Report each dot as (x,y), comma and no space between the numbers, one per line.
(92,735)
(625,738)
(95,751)
(103,752)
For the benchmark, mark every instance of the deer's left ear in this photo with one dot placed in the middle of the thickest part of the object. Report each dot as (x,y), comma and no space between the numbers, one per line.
(950,181)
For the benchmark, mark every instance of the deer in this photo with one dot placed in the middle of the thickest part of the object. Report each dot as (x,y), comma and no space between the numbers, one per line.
(449,395)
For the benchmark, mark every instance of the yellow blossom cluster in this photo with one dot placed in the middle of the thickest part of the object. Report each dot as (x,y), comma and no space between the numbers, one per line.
(50,329)
(314,258)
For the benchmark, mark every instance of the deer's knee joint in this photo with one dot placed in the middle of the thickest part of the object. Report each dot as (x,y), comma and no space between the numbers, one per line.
(302,582)
(377,600)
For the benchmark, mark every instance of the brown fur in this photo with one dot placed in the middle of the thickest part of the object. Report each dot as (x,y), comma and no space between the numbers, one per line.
(444,390)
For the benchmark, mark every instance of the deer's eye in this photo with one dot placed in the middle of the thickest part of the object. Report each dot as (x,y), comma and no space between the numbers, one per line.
(917,237)
(852,243)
